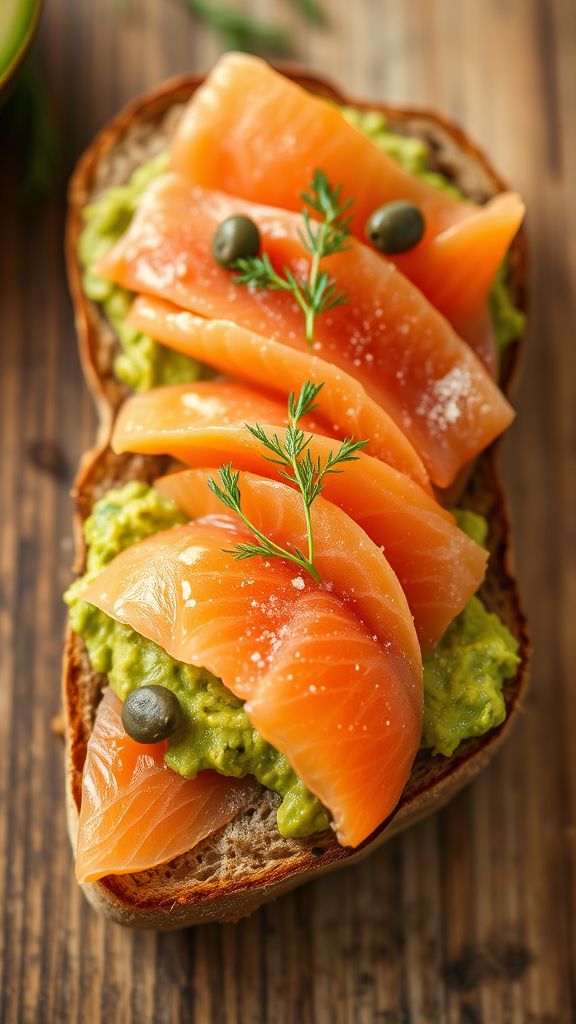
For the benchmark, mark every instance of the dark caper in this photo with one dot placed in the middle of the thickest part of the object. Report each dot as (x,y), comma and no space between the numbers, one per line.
(396,227)
(151,714)
(234,238)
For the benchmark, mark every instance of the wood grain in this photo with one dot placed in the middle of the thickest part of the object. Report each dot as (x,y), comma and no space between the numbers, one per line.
(470,917)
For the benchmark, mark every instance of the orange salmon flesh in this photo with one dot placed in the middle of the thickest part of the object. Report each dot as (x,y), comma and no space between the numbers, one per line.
(438,566)
(386,335)
(251,132)
(136,812)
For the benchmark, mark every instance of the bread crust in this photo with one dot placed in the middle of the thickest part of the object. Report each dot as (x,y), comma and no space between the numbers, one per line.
(186,892)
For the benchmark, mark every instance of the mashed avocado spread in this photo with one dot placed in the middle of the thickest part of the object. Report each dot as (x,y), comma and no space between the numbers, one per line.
(509,322)
(143,362)
(464,674)
(462,677)
(410,152)
(473,524)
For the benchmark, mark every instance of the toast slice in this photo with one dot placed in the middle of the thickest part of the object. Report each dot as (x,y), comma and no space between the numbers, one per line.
(248,862)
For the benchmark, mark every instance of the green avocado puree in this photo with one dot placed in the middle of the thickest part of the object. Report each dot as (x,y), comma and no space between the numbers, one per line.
(508,321)
(216,732)
(410,152)
(473,524)
(463,676)
(142,363)
(463,679)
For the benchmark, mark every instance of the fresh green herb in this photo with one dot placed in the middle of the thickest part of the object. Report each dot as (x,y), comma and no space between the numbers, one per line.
(238,30)
(298,467)
(311,11)
(323,237)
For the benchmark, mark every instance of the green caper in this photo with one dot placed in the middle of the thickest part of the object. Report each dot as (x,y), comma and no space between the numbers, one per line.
(235,238)
(396,227)
(151,714)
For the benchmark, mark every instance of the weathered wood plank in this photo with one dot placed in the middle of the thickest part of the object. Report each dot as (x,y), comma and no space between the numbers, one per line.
(470,917)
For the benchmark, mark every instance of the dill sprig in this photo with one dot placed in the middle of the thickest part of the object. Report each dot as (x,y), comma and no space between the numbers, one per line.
(323,235)
(311,11)
(241,31)
(297,467)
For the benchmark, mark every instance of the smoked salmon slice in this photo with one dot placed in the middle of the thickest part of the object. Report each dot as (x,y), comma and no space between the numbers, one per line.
(387,335)
(253,133)
(458,291)
(136,812)
(438,566)
(342,403)
(207,403)
(340,695)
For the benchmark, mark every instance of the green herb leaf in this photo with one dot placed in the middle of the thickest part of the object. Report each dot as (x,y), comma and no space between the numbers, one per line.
(311,11)
(321,237)
(239,31)
(298,467)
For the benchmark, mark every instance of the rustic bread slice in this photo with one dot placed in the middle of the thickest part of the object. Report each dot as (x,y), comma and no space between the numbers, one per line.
(248,862)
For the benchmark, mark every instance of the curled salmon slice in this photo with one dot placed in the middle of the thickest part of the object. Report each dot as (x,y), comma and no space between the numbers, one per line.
(438,566)
(342,404)
(386,335)
(251,132)
(456,282)
(208,403)
(136,813)
(331,674)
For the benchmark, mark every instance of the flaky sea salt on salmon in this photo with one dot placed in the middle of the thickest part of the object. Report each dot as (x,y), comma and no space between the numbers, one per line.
(386,335)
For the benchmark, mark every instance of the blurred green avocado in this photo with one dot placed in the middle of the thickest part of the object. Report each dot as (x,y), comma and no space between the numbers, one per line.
(18,22)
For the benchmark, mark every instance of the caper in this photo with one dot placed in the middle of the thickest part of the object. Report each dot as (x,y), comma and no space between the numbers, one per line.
(396,227)
(151,714)
(234,238)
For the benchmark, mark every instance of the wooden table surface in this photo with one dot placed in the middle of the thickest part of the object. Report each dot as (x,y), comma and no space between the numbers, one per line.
(469,918)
